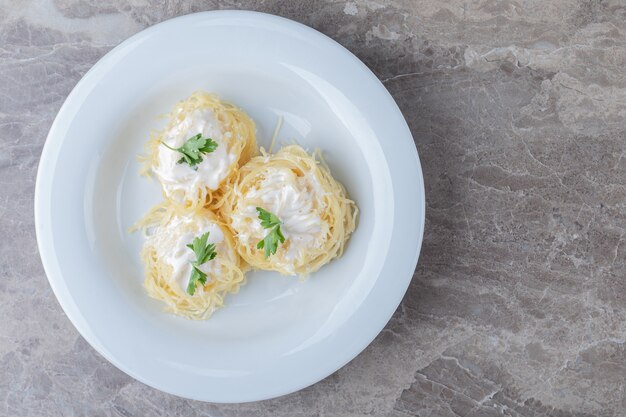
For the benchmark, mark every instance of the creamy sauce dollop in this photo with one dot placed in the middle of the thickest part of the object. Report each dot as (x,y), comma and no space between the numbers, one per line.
(170,242)
(297,202)
(176,178)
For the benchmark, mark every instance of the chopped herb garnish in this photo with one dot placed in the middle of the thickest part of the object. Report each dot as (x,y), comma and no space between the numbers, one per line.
(270,242)
(204,253)
(193,149)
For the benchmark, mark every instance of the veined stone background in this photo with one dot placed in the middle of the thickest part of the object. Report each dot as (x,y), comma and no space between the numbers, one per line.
(518,304)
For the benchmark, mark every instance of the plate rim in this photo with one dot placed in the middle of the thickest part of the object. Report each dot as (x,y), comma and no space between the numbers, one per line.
(47,162)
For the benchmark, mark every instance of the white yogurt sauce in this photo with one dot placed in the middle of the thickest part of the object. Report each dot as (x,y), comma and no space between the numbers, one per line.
(171,240)
(295,200)
(180,179)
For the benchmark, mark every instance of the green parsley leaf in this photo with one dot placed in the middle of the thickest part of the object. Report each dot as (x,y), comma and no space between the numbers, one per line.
(268,219)
(204,253)
(193,149)
(197,277)
(271,240)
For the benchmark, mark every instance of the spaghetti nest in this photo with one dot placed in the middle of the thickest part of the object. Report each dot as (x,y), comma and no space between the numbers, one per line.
(333,211)
(163,225)
(238,136)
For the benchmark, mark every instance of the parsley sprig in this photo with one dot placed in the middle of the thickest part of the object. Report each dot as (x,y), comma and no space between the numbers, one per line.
(204,253)
(270,242)
(193,149)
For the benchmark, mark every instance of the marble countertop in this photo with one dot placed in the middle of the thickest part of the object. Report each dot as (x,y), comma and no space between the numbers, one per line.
(518,305)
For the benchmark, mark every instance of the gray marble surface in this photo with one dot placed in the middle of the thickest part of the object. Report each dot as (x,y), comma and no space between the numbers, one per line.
(518,305)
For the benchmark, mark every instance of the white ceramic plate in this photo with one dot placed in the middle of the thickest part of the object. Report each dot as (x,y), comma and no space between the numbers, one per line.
(278,334)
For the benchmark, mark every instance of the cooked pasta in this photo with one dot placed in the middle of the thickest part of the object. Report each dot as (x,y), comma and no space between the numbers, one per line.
(227,209)
(192,175)
(168,260)
(313,212)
